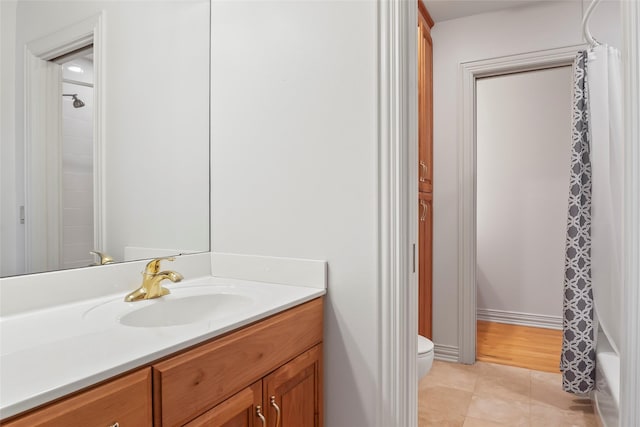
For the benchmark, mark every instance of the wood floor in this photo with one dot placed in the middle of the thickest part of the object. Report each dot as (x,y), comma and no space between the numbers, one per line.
(522,346)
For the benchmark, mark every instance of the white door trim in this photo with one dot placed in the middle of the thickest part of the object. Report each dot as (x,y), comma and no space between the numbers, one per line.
(9,208)
(43,163)
(397,393)
(469,72)
(630,343)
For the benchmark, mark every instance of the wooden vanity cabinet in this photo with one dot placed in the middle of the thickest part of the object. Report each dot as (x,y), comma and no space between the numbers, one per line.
(294,390)
(188,385)
(125,402)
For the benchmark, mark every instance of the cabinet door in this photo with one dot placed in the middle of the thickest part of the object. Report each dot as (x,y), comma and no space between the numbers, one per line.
(425,105)
(125,402)
(425,242)
(240,410)
(293,392)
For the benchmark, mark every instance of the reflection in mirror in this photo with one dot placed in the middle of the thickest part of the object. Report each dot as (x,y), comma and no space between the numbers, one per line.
(101,159)
(76,190)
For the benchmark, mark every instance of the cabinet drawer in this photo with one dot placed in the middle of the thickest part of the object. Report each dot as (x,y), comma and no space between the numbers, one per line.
(187,385)
(126,401)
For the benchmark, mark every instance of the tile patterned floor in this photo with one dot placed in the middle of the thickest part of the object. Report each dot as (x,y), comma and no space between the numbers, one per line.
(485,394)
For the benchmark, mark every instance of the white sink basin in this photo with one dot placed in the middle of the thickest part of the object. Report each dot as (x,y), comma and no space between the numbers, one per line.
(183,306)
(185,310)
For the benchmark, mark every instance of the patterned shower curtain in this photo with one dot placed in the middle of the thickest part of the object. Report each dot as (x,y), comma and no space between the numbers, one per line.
(578,342)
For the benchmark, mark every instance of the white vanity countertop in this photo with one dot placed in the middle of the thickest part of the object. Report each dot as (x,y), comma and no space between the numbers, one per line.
(46,354)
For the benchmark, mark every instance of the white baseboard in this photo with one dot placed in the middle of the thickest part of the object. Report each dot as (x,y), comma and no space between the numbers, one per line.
(446,353)
(521,319)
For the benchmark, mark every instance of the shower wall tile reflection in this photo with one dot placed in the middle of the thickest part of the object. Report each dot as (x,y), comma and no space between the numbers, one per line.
(77,166)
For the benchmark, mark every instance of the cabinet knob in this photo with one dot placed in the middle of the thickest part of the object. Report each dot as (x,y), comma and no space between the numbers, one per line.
(259,415)
(277,408)
(423,168)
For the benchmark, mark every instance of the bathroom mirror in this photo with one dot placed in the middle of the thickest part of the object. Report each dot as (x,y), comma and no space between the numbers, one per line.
(104,124)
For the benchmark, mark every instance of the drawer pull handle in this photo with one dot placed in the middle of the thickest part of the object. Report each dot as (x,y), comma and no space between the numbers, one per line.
(259,414)
(423,167)
(277,408)
(116,424)
(425,207)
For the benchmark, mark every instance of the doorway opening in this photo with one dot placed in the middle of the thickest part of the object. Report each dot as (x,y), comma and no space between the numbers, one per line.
(523,130)
(77,157)
(469,273)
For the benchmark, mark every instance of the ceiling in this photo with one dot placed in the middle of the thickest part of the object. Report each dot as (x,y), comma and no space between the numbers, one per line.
(443,10)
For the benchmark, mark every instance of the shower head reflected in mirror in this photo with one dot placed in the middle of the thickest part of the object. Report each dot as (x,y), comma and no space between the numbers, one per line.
(77,103)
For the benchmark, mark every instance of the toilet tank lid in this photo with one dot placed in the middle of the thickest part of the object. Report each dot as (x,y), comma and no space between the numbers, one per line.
(424,345)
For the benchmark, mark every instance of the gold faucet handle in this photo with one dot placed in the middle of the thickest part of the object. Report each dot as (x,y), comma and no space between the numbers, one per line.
(153,266)
(104,258)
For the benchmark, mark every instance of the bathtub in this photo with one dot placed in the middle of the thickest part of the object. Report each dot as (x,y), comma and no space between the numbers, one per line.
(607,393)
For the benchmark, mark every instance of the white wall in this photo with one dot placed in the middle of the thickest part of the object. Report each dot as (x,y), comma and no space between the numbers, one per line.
(157,196)
(514,31)
(523,135)
(294,141)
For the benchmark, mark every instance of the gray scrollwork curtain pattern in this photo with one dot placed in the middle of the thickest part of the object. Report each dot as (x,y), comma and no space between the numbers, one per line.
(578,343)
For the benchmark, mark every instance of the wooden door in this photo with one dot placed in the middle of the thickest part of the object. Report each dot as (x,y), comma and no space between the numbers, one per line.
(243,409)
(292,393)
(425,242)
(425,102)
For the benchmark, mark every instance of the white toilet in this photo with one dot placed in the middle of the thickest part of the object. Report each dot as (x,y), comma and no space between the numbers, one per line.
(425,356)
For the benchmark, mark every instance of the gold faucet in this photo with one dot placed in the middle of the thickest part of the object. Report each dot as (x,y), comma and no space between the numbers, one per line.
(151,279)
(104,258)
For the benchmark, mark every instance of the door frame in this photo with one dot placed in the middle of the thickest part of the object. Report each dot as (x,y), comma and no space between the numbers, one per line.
(630,343)
(43,163)
(397,217)
(467,256)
